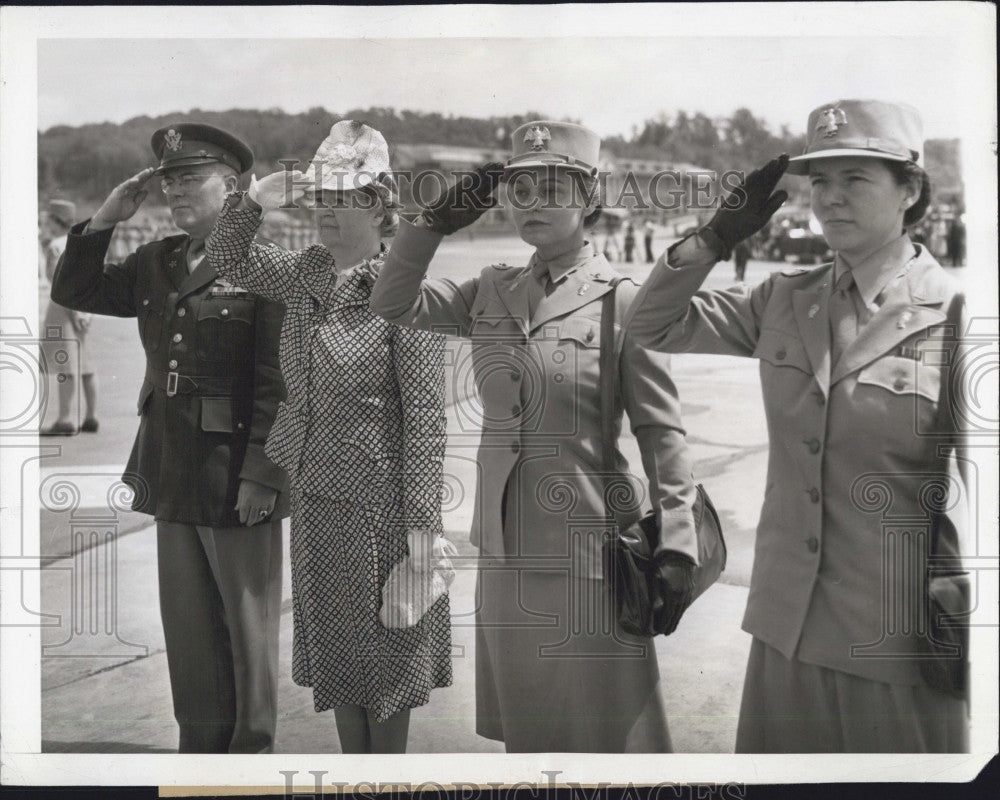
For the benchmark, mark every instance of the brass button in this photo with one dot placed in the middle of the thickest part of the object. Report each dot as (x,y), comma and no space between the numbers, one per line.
(590,335)
(814,494)
(181,312)
(515,375)
(145,302)
(813,544)
(225,312)
(813,445)
(239,425)
(173,363)
(515,446)
(177,337)
(780,355)
(899,384)
(820,400)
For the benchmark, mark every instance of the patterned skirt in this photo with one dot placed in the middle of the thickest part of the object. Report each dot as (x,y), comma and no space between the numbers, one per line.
(341,555)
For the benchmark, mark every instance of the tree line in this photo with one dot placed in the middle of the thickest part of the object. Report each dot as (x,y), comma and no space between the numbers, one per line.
(85,162)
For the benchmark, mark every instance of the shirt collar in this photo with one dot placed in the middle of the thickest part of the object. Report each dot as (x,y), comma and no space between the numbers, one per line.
(567,263)
(872,275)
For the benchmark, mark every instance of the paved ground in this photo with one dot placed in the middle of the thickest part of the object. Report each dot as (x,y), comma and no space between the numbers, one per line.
(109,692)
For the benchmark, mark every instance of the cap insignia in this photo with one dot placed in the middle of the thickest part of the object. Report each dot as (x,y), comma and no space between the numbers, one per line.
(830,121)
(537,135)
(172,140)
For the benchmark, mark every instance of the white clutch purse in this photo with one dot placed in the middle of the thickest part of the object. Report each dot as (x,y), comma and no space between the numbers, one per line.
(408,591)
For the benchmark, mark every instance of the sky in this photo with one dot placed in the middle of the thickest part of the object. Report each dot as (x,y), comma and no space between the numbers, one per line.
(608,83)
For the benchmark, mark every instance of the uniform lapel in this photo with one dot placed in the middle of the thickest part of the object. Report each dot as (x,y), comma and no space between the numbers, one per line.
(913,304)
(580,287)
(513,293)
(203,274)
(812,315)
(176,262)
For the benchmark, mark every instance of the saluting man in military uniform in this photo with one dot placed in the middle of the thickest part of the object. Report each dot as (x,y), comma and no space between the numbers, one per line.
(210,394)
(574,683)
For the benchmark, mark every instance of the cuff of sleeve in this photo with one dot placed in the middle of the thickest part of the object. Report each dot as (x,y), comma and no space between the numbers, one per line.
(677,535)
(416,243)
(691,251)
(259,468)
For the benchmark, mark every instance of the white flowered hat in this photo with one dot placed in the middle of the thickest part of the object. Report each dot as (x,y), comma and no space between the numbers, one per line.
(353,156)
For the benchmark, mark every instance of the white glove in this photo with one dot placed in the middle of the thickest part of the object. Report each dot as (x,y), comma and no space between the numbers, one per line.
(269,191)
(416,582)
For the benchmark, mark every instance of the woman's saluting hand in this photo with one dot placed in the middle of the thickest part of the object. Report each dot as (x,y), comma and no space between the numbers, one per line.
(746,209)
(465,201)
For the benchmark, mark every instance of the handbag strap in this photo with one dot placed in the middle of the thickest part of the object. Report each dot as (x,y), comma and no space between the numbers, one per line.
(608,370)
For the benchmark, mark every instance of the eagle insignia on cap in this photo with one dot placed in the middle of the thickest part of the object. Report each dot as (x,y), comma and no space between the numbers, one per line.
(172,140)
(537,136)
(830,120)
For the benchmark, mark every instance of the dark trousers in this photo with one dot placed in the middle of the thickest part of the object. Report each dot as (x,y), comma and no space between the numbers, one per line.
(220,602)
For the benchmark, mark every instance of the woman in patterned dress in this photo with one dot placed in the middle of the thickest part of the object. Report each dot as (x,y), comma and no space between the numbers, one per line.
(362,435)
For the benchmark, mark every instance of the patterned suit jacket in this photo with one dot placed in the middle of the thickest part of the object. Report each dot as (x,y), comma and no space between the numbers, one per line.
(364,419)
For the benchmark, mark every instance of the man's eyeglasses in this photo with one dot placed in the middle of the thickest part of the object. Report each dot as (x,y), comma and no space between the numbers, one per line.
(184,182)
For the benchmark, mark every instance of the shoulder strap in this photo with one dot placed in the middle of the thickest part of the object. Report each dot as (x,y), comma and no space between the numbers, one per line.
(608,375)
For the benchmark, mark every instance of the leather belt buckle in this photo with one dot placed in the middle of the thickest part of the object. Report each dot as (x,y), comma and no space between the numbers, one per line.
(172,383)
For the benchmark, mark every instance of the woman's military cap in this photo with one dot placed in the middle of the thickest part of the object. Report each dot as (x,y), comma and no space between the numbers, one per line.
(543,142)
(861,128)
(190,143)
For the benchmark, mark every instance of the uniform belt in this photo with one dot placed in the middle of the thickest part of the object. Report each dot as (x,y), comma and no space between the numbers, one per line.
(175,383)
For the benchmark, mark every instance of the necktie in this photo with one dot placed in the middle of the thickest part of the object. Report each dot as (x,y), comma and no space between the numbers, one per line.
(537,286)
(843,316)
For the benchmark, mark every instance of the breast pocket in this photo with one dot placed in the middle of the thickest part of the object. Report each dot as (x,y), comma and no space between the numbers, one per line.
(782,349)
(903,376)
(225,330)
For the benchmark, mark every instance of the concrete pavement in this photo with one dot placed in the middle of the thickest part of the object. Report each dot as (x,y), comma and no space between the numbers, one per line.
(104,675)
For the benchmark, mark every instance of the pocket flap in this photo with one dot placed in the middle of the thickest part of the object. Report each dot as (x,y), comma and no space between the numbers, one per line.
(903,376)
(217,414)
(229,309)
(584,330)
(782,349)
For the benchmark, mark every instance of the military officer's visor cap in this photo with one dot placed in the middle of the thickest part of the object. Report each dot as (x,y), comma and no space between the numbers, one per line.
(543,142)
(191,143)
(861,128)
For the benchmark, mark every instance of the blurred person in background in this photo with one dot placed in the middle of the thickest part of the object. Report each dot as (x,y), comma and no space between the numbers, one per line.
(208,399)
(850,372)
(362,436)
(62,325)
(648,229)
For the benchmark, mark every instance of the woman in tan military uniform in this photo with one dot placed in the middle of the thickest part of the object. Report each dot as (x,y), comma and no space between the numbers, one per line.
(847,361)
(553,672)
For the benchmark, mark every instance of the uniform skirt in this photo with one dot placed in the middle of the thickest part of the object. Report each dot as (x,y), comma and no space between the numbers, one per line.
(792,707)
(553,671)
(341,555)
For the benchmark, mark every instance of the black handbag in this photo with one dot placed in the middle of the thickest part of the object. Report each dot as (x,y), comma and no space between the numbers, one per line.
(944,646)
(629,569)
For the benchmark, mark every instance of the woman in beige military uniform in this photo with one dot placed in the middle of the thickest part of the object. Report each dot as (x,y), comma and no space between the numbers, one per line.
(552,671)
(847,363)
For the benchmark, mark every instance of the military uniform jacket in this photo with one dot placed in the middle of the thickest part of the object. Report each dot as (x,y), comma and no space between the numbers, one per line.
(541,484)
(850,455)
(364,420)
(194,445)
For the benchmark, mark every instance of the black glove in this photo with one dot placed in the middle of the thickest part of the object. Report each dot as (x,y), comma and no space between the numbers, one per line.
(465,201)
(746,209)
(674,577)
